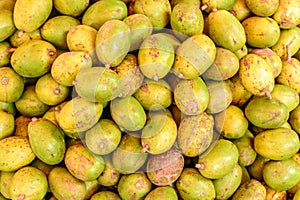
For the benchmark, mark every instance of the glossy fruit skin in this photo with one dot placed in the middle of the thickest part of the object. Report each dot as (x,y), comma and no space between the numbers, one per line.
(7,25)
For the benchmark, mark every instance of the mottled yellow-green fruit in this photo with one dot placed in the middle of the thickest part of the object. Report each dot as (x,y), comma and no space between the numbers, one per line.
(131,77)
(46,140)
(195,134)
(128,157)
(191,96)
(134,186)
(104,137)
(7,4)
(158,11)
(33,58)
(232,40)
(266,35)
(112,42)
(232,122)
(290,73)
(187,19)
(154,95)
(219,161)
(226,186)
(256,168)
(5,53)
(159,133)
(46,168)
(7,124)
(97,84)
(5,183)
(188,55)
(225,66)
(140,28)
(110,176)
(274,194)
(11,85)
(250,189)
(65,186)
(245,175)
(288,43)
(262,8)
(21,125)
(49,91)
(277,144)
(128,113)
(175,2)
(102,11)
(19,37)
(15,153)
(287,169)
(286,95)
(297,195)
(241,52)
(67,65)
(50,114)
(256,75)
(156,56)
(29,15)
(163,192)
(79,115)
(294,119)
(192,185)
(8,107)
(212,5)
(91,188)
(240,95)
(55,30)
(72,8)
(240,10)
(105,195)
(7,24)
(285,14)
(220,96)
(83,164)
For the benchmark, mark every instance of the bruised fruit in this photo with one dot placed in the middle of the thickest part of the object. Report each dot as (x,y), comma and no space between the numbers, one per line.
(164,192)
(285,14)
(105,195)
(110,176)
(249,189)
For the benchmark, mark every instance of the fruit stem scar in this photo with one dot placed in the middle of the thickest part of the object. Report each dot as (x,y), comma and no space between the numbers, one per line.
(204,7)
(4,81)
(200,166)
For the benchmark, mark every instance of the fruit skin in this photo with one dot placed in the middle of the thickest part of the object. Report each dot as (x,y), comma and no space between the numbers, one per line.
(286,95)
(256,75)
(110,176)
(219,161)
(233,40)
(72,8)
(19,37)
(249,189)
(65,186)
(240,95)
(256,168)
(277,144)
(285,14)
(15,152)
(294,119)
(7,124)
(210,6)
(164,192)
(5,183)
(46,140)
(192,185)
(105,195)
(7,24)
(29,15)
(263,9)
(287,174)
(5,53)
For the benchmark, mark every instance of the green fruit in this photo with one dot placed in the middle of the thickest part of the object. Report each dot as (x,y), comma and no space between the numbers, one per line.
(219,161)
(72,8)
(15,152)
(250,189)
(5,183)
(256,168)
(294,119)
(287,174)
(193,186)
(191,96)
(158,11)
(159,133)
(33,58)
(29,15)
(110,176)
(44,167)
(104,137)
(105,195)
(8,107)
(78,115)
(128,113)
(97,84)
(7,24)
(264,9)
(266,113)
(226,186)
(102,11)
(164,169)
(7,124)
(277,144)
(285,14)
(5,53)
(240,10)
(266,36)
(163,192)
(186,64)
(175,2)
(240,95)
(83,164)
(28,183)
(112,42)
(195,134)
(234,39)
(209,5)
(7,4)
(20,37)
(65,186)
(91,188)
(21,125)
(256,75)
(134,186)
(186,18)
(55,30)
(12,85)
(128,157)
